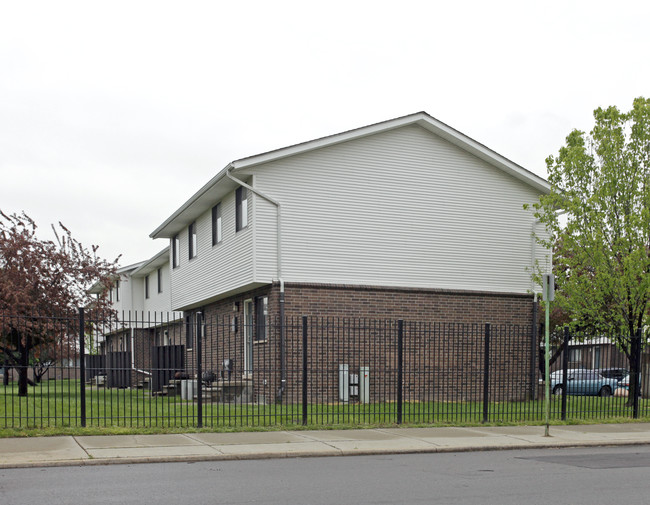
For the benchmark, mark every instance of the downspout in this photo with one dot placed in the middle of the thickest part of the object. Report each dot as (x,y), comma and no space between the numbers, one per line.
(278,207)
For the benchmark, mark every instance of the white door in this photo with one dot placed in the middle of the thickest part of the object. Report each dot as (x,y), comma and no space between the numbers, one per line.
(248,339)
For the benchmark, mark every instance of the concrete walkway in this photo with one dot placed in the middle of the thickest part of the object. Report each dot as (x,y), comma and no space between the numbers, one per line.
(93,450)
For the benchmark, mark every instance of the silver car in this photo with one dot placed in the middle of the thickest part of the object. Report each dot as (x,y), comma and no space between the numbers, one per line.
(584,382)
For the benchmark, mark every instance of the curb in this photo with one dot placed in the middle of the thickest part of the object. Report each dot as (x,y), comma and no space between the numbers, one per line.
(313,454)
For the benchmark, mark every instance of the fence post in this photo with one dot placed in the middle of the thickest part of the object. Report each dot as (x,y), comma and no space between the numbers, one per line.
(304,370)
(82,367)
(199,369)
(486,373)
(636,346)
(400,367)
(565,371)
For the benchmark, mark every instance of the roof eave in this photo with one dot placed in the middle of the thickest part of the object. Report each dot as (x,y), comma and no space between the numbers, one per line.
(187,212)
(166,229)
(158,260)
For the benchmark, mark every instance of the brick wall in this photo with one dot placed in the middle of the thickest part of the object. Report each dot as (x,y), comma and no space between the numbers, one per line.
(443,353)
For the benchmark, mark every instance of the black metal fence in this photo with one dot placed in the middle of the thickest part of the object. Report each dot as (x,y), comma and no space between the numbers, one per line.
(197,371)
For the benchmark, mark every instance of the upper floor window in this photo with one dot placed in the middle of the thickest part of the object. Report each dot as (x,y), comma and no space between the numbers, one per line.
(160,280)
(117,290)
(146,286)
(192,239)
(216,224)
(241,212)
(176,247)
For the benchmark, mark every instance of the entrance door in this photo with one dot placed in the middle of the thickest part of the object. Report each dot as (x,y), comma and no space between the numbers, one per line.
(248,339)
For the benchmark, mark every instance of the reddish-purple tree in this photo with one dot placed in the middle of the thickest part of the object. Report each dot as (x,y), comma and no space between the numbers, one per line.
(42,281)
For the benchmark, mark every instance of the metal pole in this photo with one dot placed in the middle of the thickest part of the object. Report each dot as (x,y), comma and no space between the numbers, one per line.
(547,376)
(565,371)
(199,369)
(534,346)
(82,367)
(400,363)
(304,370)
(636,373)
(486,373)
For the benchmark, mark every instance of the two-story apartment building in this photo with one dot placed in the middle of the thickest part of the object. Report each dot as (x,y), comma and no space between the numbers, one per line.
(407,218)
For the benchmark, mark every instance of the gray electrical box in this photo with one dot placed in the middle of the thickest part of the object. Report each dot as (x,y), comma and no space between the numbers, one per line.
(549,287)
(364,384)
(344,383)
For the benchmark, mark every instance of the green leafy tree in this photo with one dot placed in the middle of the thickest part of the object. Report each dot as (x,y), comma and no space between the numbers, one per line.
(597,218)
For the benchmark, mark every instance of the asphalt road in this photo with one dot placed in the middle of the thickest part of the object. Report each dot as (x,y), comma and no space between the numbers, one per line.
(553,476)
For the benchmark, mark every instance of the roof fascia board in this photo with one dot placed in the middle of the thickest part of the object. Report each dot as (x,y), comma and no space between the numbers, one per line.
(485,153)
(420,118)
(166,229)
(129,268)
(159,232)
(337,138)
(153,263)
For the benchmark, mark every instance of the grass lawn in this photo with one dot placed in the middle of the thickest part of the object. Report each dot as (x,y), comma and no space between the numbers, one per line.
(53,407)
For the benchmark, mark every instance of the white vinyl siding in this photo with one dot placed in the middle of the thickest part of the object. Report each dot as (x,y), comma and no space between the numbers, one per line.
(158,301)
(216,270)
(399,208)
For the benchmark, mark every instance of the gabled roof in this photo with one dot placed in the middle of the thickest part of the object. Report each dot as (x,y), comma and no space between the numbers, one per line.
(221,185)
(129,268)
(98,287)
(151,265)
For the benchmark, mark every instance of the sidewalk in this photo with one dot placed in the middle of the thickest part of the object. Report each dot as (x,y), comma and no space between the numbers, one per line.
(102,450)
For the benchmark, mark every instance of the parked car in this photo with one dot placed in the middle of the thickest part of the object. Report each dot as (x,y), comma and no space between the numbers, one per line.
(625,382)
(614,373)
(585,382)
(557,375)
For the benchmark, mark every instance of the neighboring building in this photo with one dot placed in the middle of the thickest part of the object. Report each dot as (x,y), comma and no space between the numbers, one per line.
(143,322)
(408,218)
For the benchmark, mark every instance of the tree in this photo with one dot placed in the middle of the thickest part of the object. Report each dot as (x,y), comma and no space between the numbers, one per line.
(597,217)
(42,282)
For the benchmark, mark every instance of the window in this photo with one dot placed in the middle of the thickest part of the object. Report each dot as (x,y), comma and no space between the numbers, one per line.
(117,290)
(261,318)
(176,246)
(241,213)
(575,355)
(160,280)
(189,331)
(216,224)
(193,327)
(146,286)
(192,239)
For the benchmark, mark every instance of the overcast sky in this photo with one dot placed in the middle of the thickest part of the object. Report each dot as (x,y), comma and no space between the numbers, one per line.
(112,114)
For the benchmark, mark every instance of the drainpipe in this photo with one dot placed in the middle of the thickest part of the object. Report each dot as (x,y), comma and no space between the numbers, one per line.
(283,368)
(278,207)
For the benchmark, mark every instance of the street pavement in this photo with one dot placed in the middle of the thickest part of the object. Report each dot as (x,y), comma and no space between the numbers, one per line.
(116,449)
